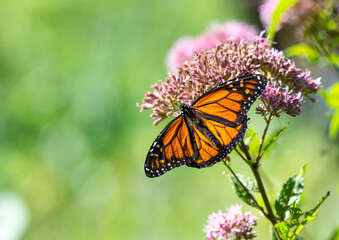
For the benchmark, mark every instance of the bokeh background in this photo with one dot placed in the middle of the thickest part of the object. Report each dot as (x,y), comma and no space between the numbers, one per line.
(73,142)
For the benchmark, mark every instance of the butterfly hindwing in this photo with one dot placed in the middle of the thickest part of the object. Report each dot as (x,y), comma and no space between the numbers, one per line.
(229,138)
(173,147)
(229,102)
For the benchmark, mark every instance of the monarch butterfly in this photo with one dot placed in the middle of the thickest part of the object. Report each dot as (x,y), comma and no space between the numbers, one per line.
(204,133)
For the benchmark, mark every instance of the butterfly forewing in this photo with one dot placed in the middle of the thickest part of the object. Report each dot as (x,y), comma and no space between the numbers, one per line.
(229,137)
(229,102)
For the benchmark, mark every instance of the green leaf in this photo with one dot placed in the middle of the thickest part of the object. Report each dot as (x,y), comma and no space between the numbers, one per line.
(303,169)
(303,50)
(279,11)
(331,97)
(296,213)
(334,125)
(252,141)
(289,194)
(283,229)
(250,185)
(273,138)
(284,232)
(247,140)
(310,215)
(274,237)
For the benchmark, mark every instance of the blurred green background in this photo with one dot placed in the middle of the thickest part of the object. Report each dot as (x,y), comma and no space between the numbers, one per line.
(73,142)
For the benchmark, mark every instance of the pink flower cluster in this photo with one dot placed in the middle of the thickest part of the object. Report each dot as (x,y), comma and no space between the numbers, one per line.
(185,47)
(281,99)
(266,10)
(287,85)
(231,224)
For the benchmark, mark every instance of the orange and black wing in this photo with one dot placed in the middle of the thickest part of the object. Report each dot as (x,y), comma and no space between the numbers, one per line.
(229,102)
(222,122)
(173,147)
(227,139)
(223,111)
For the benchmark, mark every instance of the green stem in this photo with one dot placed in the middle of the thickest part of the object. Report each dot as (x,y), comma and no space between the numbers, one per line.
(254,167)
(268,121)
(263,194)
(245,189)
(243,148)
(240,155)
(261,187)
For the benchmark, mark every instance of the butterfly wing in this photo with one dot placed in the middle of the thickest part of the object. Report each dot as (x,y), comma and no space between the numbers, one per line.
(223,110)
(172,148)
(229,102)
(228,137)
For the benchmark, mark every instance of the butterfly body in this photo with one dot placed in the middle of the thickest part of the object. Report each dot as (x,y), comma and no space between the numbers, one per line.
(206,131)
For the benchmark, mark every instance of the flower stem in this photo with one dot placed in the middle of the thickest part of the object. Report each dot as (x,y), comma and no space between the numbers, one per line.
(263,194)
(245,189)
(268,121)
(240,155)
(254,167)
(261,187)
(243,148)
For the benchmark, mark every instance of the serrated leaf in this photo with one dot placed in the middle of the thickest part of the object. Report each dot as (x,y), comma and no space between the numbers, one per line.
(279,11)
(303,50)
(289,194)
(283,229)
(296,213)
(250,185)
(310,215)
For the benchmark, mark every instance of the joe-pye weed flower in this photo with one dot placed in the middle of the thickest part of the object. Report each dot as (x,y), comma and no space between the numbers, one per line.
(232,224)
(287,88)
(217,33)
